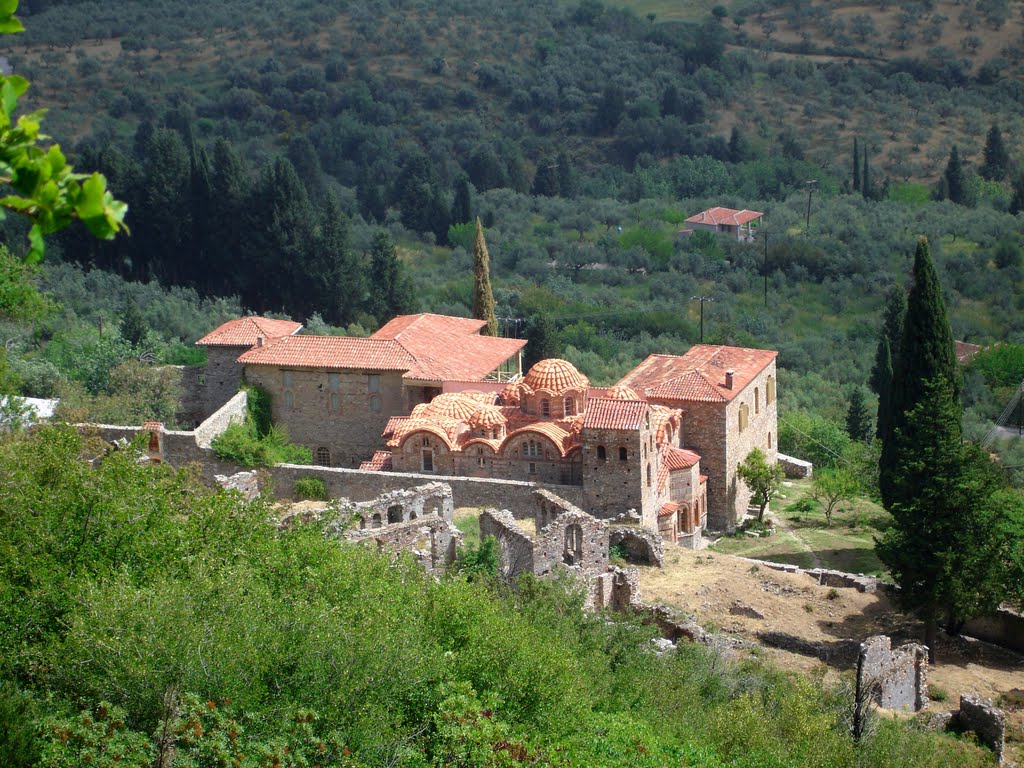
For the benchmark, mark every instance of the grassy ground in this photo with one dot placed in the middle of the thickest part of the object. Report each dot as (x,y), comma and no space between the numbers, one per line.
(804,539)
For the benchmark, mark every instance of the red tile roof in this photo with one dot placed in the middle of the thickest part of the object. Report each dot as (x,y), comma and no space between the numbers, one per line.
(604,413)
(332,352)
(555,376)
(728,216)
(556,432)
(668,508)
(393,424)
(677,458)
(448,347)
(244,331)
(381,462)
(671,377)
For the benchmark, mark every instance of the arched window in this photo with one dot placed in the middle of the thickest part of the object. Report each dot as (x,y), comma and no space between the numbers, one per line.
(395,513)
(744,416)
(573,552)
(531,448)
(570,406)
(375,521)
(757,401)
(427,460)
(648,474)
(545,408)
(622,454)
(769,439)
(769,392)
(323,456)
(600,453)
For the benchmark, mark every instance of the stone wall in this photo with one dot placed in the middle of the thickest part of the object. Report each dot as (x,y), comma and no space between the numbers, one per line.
(333,410)
(205,388)
(1004,627)
(406,505)
(893,678)
(431,539)
(613,485)
(640,546)
(232,412)
(986,721)
(795,469)
(576,540)
(515,546)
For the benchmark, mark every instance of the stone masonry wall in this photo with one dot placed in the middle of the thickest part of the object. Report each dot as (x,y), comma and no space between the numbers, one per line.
(554,544)
(515,546)
(893,678)
(206,388)
(794,468)
(232,412)
(612,486)
(986,721)
(432,540)
(332,411)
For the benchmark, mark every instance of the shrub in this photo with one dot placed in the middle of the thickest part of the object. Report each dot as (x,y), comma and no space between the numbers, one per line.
(310,488)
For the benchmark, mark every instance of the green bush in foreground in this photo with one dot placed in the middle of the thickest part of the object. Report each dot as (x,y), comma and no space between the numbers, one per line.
(257,442)
(151,613)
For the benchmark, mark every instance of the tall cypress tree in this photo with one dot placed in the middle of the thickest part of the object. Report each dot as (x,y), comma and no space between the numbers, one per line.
(391,290)
(1017,201)
(483,297)
(462,205)
(858,417)
(884,363)
(926,354)
(892,332)
(997,159)
(856,166)
(865,180)
(954,179)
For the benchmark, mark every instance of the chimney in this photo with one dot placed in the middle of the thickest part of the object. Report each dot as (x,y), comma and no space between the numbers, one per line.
(728,379)
(259,341)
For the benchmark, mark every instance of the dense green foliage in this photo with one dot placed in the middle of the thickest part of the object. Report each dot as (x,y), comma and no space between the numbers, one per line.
(152,614)
(311,488)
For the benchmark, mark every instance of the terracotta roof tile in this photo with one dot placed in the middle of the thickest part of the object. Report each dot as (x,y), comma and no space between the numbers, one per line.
(244,331)
(448,347)
(670,377)
(558,432)
(555,376)
(678,458)
(393,424)
(668,508)
(381,462)
(331,352)
(728,216)
(614,414)
(965,351)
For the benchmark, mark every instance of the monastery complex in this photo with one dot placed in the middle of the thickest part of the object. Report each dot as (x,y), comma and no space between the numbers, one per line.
(430,394)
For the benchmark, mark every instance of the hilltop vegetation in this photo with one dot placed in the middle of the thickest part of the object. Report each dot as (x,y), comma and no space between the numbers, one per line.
(146,616)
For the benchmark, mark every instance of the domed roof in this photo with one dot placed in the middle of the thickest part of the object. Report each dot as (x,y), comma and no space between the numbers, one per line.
(556,376)
(452,405)
(510,394)
(619,392)
(488,417)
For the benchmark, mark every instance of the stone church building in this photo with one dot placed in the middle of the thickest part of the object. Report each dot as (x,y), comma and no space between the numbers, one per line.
(429,394)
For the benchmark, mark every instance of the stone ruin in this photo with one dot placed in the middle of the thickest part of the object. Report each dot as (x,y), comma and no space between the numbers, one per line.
(246,483)
(985,720)
(567,539)
(893,678)
(639,546)
(415,520)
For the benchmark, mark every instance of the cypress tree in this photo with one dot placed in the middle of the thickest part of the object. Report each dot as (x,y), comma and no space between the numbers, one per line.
(133,324)
(483,298)
(391,291)
(566,176)
(891,332)
(954,178)
(865,180)
(858,417)
(926,354)
(462,205)
(545,182)
(229,195)
(856,166)
(997,159)
(884,363)
(1017,201)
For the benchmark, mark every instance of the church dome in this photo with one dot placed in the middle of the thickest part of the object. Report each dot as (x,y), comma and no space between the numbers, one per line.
(555,376)
(488,417)
(619,392)
(452,405)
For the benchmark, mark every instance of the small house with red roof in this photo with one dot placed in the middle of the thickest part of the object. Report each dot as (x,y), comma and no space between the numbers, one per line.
(739,224)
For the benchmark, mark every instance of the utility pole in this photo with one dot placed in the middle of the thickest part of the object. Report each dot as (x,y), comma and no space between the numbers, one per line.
(701,299)
(766,266)
(811,186)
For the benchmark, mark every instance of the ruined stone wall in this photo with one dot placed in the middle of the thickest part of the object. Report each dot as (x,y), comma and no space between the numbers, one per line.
(612,486)
(986,721)
(206,388)
(432,540)
(575,539)
(893,678)
(515,546)
(640,546)
(332,411)
(406,504)
(1004,627)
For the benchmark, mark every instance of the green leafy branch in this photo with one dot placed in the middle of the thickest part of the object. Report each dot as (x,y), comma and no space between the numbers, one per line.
(45,186)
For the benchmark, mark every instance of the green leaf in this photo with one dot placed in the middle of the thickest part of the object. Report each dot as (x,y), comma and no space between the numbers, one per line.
(8,7)
(35,253)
